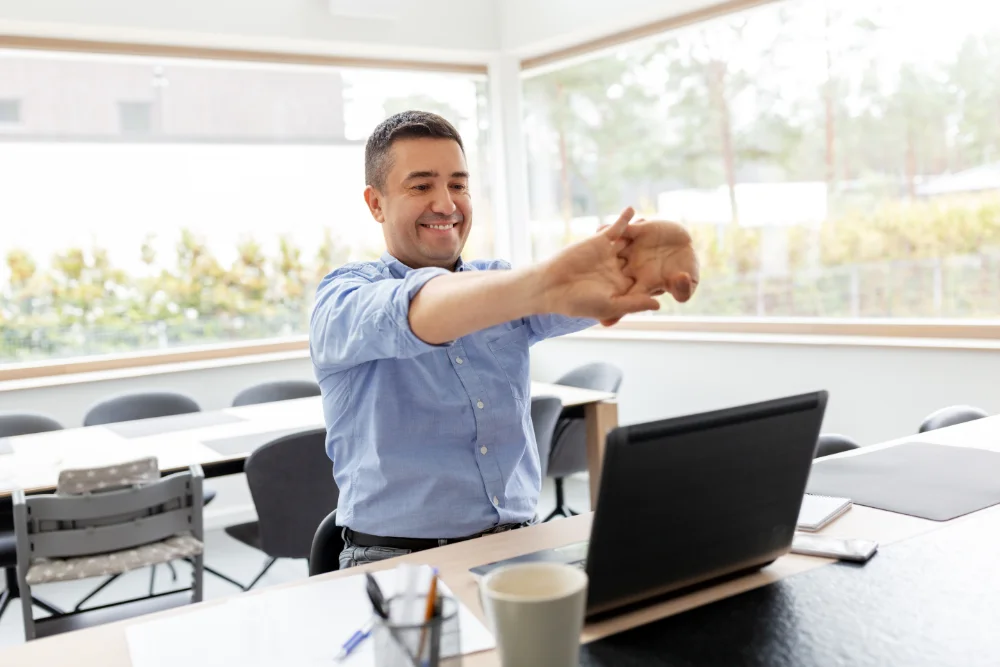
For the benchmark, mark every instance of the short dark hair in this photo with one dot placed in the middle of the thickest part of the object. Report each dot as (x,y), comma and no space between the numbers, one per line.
(403,125)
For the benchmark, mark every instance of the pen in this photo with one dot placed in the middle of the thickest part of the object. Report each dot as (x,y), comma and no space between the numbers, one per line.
(355,639)
(428,612)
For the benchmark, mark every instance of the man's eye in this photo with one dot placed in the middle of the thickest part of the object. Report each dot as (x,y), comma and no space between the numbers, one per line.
(461,187)
(422,187)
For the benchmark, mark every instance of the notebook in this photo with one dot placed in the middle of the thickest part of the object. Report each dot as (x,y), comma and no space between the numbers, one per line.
(818,511)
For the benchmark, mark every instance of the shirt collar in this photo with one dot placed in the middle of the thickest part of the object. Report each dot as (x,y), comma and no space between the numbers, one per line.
(398,269)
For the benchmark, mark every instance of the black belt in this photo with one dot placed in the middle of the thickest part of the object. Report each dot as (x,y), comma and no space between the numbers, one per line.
(417,543)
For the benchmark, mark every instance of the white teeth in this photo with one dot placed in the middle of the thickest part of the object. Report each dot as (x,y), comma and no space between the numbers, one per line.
(440,226)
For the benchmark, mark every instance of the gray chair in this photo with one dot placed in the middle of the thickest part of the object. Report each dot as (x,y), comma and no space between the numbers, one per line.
(951,416)
(833,443)
(142,405)
(107,521)
(545,411)
(280,390)
(569,443)
(291,481)
(25,423)
(13,424)
(328,542)
(147,405)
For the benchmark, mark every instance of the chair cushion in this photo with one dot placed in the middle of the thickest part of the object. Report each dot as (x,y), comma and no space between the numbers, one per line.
(46,570)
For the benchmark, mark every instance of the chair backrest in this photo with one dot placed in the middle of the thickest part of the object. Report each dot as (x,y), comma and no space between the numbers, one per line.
(951,416)
(598,376)
(833,443)
(63,526)
(144,405)
(545,412)
(281,390)
(75,481)
(26,423)
(291,481)
(328,542)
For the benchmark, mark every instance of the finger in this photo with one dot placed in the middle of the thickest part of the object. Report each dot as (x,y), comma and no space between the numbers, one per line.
(619,245)
(611,322)
(636,302)
(682,287)
(614,232)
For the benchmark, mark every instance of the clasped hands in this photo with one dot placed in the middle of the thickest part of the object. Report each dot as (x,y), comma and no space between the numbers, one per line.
(621,269)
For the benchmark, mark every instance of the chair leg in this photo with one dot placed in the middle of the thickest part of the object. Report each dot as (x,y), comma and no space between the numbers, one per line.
(225,578)
(562,509)
(42,604)
(14,591)
(79,605)
(262,573)
(173,570)
(5,599)
(152,579)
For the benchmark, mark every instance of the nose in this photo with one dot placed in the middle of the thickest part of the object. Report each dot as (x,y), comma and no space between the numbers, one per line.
(443,204)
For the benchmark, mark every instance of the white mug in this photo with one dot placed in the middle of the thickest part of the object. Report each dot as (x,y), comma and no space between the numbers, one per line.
(536,613)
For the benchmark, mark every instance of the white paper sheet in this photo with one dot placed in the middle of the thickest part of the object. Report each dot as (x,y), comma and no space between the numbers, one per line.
(302,625)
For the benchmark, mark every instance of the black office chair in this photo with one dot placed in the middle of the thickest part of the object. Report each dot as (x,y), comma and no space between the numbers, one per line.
(13,424)
(141,405)
(147,405)
(328,542)
(833,443)
(569,444)
(281,390)
(951,416)
(291,481)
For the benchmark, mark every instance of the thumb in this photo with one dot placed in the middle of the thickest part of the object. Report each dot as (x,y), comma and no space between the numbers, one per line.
(681,287)
(615,231)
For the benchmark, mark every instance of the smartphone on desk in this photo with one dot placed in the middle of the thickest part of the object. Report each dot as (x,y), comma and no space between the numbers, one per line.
(857,551)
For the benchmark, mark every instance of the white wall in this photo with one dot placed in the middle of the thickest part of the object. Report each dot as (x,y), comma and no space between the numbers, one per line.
(531,27)
(876,394)
(434,29)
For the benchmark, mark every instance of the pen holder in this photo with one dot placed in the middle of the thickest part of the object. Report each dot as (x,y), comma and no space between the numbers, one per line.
(436,642)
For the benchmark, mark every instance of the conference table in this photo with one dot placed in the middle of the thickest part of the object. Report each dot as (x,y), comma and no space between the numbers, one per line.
(221,440)
(929,597)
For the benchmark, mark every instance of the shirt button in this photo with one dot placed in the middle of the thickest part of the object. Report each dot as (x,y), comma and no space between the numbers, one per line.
(495,501)
(480,405)
(483,450)
(459,360)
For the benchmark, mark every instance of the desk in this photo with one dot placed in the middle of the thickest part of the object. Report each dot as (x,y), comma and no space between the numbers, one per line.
(105,646)
(37,459)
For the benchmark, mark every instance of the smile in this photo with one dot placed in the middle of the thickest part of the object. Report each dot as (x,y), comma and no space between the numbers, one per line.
(441,227)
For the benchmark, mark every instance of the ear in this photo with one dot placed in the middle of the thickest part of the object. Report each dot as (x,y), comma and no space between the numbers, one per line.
(374,201)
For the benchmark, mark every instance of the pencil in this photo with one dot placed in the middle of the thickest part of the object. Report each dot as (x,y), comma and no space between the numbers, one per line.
(428,614)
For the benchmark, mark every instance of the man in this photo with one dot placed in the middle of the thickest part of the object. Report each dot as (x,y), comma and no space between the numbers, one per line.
(422,357)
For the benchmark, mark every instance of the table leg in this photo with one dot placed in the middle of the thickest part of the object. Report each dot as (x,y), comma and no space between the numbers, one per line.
(600,418)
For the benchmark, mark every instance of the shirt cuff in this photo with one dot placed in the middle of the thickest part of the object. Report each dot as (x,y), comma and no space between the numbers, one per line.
(397,309)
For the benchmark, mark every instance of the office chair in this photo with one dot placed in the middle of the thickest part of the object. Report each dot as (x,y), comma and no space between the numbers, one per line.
(569,444)
(107,521)
(833,443)
(291,481)
(13,424)
(281,390)
(545,411)
(327,543)
(146,405)
(951,416)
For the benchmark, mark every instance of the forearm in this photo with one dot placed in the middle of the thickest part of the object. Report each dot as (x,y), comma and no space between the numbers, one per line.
(449,307)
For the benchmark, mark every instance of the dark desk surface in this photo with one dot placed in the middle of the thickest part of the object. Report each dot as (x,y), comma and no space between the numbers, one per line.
(930,601)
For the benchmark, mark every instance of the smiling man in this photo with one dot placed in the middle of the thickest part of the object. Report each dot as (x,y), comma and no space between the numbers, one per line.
(422,357)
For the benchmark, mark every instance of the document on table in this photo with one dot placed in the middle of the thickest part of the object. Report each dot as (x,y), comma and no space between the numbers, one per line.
(302,625)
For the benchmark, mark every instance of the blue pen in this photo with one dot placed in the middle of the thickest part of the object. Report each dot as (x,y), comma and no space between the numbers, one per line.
(355,639)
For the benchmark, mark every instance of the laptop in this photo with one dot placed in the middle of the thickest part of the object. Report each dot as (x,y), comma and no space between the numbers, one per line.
(694,499)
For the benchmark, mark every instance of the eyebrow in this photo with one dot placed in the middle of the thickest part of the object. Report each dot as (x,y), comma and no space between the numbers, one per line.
(433,174)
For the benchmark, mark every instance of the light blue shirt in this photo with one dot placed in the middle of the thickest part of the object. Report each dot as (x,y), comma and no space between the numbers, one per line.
(428,441)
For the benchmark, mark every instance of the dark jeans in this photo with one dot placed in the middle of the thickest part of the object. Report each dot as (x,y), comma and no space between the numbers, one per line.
(357,555)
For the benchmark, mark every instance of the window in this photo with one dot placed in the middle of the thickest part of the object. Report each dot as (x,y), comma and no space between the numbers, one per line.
(10,112)
(135,117)
(156,203)
(830,159)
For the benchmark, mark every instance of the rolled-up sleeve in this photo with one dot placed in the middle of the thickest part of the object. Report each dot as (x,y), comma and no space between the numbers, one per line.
(357,319)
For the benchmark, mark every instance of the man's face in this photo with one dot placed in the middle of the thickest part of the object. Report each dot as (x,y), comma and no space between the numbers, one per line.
(424,207)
